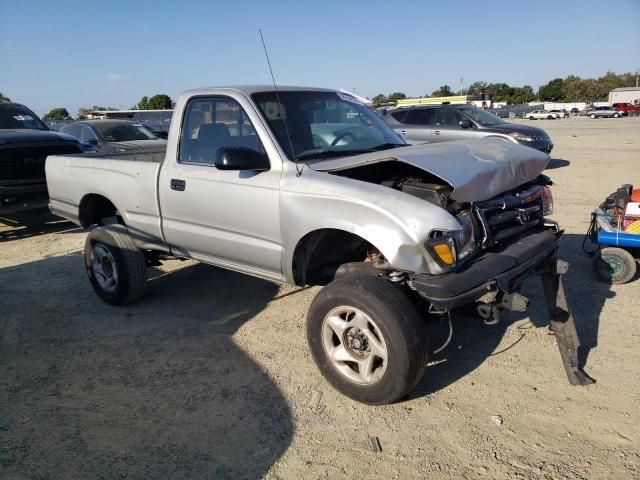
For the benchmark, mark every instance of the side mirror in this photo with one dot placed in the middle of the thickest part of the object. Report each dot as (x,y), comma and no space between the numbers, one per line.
(91,141)
(241,158)
(465,123)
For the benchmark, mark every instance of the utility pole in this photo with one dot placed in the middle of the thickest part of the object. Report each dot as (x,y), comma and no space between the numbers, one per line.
(461,79)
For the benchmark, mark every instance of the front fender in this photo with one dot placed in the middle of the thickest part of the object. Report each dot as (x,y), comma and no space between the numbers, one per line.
(396,223)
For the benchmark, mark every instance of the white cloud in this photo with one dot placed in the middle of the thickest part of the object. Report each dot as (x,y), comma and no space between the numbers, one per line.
(114,77)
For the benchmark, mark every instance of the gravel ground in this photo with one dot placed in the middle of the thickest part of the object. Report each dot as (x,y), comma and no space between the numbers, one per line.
(209,376)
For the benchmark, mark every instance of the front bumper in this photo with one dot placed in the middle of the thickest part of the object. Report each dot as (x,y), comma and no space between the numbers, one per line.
(494,280)
(18,197)
(500,271)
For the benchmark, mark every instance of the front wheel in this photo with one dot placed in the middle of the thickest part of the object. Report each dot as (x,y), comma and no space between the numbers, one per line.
(592,115)
(116,268)
(550,117)
(531,118)
(367,339)
(615,115)
(615,265)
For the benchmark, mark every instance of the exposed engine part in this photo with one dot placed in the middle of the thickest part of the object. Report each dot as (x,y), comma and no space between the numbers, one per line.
(489,313)
(431,192)
(396,276)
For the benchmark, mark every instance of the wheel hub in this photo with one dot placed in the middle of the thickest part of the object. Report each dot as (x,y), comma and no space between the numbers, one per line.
(356,342)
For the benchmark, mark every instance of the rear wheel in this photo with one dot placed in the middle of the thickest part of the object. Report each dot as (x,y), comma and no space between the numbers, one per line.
(367,339)
(615,115)
(615,265)
(531,118)
(116,268)
(593,115)
(550,117)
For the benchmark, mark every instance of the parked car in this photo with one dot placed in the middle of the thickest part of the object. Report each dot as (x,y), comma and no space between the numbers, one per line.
(603,112)
(627,108)
(541,115)
(114,135)
(560,113)
(25,142)
(310,187)
(433,124)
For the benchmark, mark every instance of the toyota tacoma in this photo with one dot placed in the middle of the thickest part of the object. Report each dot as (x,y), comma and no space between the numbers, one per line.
(310,187)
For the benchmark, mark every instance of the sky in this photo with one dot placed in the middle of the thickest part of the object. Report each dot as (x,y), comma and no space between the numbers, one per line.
(72,54)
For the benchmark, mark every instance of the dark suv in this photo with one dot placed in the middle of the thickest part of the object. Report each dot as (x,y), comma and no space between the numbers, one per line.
(444,123)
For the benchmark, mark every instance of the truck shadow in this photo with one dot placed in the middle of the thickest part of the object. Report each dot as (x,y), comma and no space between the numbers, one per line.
(157,389)
(473,342)
(28,224)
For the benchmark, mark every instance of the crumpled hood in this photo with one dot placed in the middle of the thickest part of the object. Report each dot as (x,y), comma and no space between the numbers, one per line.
(476,169)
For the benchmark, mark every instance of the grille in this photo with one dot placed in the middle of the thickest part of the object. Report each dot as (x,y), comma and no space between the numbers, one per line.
(28,163)
(508,216)
(22,168)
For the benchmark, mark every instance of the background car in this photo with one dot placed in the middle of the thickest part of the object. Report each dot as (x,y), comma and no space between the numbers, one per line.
(541,115)
(114,135)
(603,112)
(561,113)
(419,124)
(628,108)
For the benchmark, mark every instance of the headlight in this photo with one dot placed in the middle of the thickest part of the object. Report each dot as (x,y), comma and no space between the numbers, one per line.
(520,137)
(449,248)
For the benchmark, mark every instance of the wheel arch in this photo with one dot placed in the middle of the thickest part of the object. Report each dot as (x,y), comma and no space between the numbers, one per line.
(95,208)
(318,253)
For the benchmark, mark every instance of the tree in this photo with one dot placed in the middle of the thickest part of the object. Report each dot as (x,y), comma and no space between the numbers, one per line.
(394,97)
(552,91)
(3,98)
(157,102)
(443,91)
(379,99)
(57,114)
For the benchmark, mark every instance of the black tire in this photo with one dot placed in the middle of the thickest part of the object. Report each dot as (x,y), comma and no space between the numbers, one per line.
(531,118)
(615,115)
(119,255)
(592,115)
(401,329)
(615,265)
(550,117)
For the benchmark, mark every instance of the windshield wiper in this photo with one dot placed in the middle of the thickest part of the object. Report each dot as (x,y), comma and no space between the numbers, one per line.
(387,146)
(329,153)
(339,153)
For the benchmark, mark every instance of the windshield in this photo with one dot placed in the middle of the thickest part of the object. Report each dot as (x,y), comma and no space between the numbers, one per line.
(123,132)
(324,124)
(14,116)
(483,117)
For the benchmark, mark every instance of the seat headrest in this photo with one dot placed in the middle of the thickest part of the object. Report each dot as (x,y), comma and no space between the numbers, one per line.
(212,133)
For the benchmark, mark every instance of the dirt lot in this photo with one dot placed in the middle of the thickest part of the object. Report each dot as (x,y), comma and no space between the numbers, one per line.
(209,375)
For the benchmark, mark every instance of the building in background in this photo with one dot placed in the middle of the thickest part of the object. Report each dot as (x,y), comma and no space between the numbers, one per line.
(625,95)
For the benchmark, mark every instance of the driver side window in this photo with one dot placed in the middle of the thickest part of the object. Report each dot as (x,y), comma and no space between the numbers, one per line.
(212,123)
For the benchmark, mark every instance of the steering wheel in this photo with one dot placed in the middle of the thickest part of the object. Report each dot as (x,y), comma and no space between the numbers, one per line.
(342,135)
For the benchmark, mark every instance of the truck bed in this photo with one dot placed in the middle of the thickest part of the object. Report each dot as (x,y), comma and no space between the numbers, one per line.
(127,180)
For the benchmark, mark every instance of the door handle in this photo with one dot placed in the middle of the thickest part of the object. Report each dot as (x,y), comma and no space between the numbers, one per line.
(178,185)
(402,132)
(436,132)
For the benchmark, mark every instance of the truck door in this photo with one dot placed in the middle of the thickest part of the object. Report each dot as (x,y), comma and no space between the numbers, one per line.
(446,126)
(228,218)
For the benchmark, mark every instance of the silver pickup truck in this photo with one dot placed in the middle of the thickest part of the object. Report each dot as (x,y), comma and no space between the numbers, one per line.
(310,187)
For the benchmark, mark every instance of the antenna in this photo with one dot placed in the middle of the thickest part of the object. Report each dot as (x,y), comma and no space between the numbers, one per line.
(286,126)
